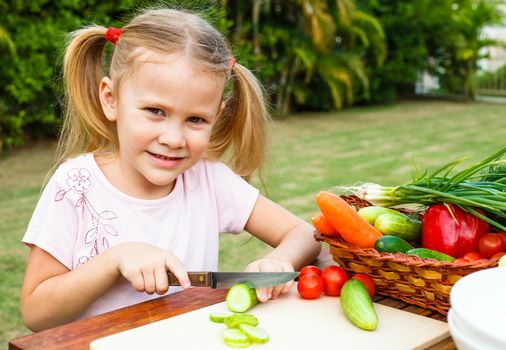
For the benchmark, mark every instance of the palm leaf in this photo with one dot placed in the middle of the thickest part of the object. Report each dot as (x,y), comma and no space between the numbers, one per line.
(319,23)
(6,41)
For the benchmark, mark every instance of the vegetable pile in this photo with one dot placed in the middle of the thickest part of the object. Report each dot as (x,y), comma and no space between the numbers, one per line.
(463,215)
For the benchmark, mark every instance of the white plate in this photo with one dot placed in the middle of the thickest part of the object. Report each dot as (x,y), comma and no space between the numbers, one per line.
(462,341)
(478,301)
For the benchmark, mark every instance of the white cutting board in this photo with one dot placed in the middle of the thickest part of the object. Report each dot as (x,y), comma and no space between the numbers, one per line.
(292,323)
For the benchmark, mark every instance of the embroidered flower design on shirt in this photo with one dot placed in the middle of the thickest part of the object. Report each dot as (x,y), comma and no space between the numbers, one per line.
(79,180)
(102,225)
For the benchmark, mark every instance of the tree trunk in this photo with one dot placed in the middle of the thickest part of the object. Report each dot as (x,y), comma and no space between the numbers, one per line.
(257,5)
(284,91)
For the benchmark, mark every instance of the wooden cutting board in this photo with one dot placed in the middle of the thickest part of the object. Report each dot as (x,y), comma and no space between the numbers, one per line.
(292,322)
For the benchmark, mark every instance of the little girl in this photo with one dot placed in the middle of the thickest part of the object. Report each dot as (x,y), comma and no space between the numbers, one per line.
(139,188)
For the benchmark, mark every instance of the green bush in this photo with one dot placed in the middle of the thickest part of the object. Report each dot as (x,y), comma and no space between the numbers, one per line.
(30,84)
(441,37)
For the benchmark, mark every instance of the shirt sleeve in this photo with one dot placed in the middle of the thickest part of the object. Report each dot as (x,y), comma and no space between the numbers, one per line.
(54,223)
(235,198)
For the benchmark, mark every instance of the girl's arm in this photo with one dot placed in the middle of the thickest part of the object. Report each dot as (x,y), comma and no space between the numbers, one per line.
(53,295)
(291,236)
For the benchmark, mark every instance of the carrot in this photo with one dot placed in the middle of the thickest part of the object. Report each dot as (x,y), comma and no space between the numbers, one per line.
(353,228)
(323,226)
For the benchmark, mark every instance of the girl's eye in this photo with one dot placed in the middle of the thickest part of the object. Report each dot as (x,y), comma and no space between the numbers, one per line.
(155,111)
(196,120)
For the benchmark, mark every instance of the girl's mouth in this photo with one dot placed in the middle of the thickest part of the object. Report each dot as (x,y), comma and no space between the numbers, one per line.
(161,156)
(165,161)
(165,157)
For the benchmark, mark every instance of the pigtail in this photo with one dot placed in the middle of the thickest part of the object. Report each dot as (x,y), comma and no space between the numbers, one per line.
(85,127)
(243,124)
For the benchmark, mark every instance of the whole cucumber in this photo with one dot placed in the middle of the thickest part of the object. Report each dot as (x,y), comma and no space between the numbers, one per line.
(392,244)
(425,253)
(357,305)
(370,214)
(400,226)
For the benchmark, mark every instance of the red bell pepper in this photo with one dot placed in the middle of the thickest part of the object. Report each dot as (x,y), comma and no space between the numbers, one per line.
(453,235)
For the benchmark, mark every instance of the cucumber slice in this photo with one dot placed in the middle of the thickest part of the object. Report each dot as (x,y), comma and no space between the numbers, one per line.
(237,319)
(241,298)
(258,335)
(235,338)
(219,317)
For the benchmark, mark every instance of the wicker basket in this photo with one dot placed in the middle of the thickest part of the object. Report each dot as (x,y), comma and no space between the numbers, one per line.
(422,282)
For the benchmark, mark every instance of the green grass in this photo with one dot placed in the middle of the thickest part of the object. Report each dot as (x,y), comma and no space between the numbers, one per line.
(309,153)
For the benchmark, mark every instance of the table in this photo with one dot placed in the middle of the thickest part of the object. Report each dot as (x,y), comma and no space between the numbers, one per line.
(79,334)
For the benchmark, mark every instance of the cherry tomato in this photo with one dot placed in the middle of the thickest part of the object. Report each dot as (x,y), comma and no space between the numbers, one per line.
(367,281)
(461,260)
(310,286)
(310,270)
(321,223)
(333,280)
(472,256)
(503,236)
(490,244)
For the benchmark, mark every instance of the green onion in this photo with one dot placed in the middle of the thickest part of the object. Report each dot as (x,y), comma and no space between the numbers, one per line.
(481,186)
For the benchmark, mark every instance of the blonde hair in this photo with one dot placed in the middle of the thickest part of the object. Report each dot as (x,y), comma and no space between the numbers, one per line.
(240,132)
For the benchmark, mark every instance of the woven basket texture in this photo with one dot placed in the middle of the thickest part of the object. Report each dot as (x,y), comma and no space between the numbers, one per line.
(422,282)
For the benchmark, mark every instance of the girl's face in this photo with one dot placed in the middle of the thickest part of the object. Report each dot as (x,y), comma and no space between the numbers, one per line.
(164,111)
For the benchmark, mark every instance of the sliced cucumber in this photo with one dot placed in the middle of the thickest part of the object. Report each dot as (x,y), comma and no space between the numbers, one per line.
(258,335)
(235,338)
(219,317)
(241,298)
(237,319)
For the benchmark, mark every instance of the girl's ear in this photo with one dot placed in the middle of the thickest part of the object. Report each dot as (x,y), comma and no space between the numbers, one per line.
(108,98)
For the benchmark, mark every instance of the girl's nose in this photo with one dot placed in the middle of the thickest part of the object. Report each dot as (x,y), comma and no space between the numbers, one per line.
(172,136)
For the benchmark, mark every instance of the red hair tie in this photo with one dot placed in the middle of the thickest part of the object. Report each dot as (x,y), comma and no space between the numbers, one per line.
(112,34)
(232,62)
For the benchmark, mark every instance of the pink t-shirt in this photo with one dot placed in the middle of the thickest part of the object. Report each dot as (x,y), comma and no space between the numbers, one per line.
(80,214)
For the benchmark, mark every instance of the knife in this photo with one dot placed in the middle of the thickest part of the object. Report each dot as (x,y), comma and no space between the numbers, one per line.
(228,279)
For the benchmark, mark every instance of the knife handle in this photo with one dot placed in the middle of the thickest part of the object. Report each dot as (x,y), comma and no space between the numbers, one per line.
(197,279)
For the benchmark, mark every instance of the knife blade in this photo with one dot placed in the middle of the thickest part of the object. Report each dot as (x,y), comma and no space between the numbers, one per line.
(228,279)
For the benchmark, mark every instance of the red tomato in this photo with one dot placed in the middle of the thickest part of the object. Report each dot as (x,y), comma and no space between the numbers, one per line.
(490,244)
(310,270)
(310,286)
(367,281)
(503,236)
(333,280)
(472,256)
(461,261)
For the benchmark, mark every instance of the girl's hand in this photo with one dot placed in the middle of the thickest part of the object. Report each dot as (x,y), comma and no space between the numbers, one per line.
(271,265)
(145,267)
